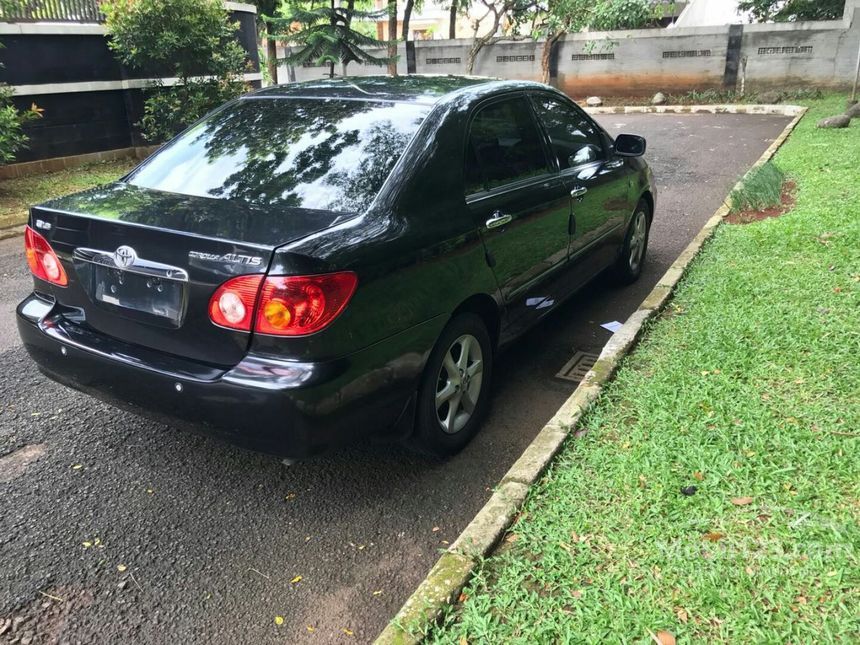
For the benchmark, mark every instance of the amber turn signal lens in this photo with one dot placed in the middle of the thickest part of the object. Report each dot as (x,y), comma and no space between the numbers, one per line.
(277,314)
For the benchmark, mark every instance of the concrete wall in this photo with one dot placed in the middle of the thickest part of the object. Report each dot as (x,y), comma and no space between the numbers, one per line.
(819,54)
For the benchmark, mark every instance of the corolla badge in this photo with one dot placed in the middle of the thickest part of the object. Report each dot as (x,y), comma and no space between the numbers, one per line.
(233,258)
(124,256)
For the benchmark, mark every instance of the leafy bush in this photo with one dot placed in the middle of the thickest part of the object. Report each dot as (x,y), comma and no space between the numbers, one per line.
(191,40)
(611,15)
(12,137)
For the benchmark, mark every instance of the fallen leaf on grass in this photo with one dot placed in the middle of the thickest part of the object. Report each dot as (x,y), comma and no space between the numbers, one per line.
(462,598)
(682,615)
(279,620)
(742,501)
(663,638)
(698,476)
(512,537)
(464,640)
(713,536)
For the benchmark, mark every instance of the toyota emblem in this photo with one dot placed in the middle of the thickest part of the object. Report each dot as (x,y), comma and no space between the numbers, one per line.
(124,256)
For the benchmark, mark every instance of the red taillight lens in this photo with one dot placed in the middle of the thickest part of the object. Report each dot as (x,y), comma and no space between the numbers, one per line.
(298,305)
(43,262)
(232,304)
(287,305)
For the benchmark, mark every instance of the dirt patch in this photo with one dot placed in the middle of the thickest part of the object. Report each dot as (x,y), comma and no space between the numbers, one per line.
(786,204)
(44,619)
(15,463)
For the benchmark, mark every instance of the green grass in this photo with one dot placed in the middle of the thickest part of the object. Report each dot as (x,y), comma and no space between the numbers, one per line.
(17,195)
(761,188)
(747,387)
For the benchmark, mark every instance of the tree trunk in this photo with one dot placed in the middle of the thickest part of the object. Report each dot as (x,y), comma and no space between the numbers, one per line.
(452,24)
(392,37)
(407,14)
(272,59)
(546,54)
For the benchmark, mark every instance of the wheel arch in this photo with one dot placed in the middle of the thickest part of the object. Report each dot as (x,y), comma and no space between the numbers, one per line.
(649,199)
(485,307)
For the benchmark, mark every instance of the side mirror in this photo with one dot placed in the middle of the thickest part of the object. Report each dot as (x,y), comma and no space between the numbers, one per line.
(629,145)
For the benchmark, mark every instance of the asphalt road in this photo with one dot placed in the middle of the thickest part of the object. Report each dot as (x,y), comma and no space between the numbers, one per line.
(150,535)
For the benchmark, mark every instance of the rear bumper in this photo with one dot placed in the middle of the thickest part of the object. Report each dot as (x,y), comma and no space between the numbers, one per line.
(285,408)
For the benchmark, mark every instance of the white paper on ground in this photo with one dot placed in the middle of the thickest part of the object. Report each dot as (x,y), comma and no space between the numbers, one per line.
(613,326)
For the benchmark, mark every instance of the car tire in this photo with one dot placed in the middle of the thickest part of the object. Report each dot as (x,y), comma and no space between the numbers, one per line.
(628,267)
(454,394)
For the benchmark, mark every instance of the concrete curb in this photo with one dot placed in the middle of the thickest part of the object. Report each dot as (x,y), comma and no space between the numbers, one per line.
(454,569)
(11,231)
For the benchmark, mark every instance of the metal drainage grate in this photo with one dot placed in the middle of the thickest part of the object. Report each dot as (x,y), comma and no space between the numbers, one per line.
(577,367)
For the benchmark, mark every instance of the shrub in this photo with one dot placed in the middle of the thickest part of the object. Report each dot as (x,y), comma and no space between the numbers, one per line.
(12,137)
(191,40)
(761,188)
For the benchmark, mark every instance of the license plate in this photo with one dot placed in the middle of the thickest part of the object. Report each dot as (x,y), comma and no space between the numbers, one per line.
(147,294)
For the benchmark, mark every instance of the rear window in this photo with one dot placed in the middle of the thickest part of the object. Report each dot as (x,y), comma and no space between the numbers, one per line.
(326,154)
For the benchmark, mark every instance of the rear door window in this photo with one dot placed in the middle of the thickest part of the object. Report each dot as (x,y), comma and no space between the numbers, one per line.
(504,146)
(575,139)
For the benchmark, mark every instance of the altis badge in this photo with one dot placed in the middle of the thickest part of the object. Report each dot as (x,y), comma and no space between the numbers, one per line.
(233,258)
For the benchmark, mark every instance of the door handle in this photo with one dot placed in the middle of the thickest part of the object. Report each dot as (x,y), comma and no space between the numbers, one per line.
(579,191)
(497,219)
(613,164)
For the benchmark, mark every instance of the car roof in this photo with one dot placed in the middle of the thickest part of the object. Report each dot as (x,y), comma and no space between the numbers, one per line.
(414,88)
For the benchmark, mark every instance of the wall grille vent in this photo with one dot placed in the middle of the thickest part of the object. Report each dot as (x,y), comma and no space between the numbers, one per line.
(687,53)
(770,51)
(443,61)
(592,57)
(515,59)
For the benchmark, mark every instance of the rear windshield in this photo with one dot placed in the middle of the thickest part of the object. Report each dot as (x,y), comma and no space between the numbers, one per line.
(305,153)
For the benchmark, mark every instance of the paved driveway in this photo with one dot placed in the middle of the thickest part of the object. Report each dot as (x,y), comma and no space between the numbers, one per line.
(214,542)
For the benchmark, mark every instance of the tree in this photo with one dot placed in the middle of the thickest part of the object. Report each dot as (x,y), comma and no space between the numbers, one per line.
(392,37)
(324,35)
(497,11)
(267,9)
(191,40)
(552,19)
(407,15)
(793,10)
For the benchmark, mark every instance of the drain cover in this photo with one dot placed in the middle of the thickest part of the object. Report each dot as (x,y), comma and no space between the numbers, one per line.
(577,367)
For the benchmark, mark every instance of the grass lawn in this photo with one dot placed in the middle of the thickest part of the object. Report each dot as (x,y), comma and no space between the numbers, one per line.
(17,195)
(745,393)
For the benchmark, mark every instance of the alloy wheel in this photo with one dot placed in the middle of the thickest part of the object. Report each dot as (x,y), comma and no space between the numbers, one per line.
(637,240)
(458,385)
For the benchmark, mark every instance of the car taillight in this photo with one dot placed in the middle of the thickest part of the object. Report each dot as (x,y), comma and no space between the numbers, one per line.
(232,304)
(43,262)
(298,305)
(282,305)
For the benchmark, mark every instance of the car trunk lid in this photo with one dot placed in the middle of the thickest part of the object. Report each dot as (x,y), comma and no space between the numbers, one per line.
(143,264)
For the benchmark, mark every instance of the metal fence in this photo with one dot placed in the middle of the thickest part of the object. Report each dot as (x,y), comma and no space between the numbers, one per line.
(50,11)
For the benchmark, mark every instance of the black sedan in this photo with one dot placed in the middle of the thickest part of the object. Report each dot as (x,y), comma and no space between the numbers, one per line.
(316,262)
